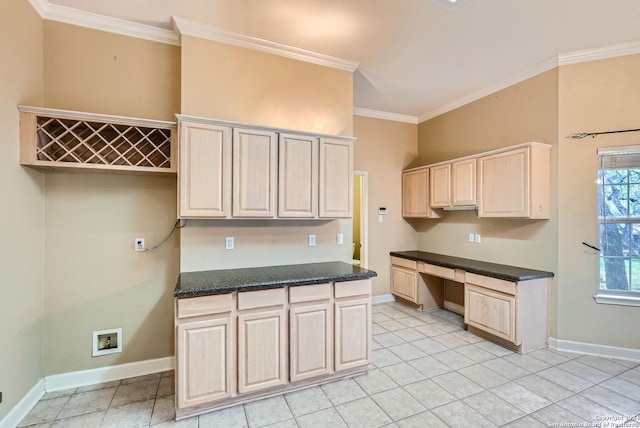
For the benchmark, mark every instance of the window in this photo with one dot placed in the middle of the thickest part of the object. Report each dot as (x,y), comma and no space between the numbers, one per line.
(619,219)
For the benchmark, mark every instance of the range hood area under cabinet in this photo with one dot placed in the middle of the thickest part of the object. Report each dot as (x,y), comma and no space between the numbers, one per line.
(513,182)
(233,170)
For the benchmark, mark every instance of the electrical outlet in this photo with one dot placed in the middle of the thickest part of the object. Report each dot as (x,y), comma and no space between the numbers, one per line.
(471,238)
(228,243)
(340,239)
(477,238)
(312,240)
(138,244)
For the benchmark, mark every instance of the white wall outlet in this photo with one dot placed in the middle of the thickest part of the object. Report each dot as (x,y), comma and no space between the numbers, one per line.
(340,239)
(477,238)
(228,243)
(138,244)
(312,240)
(471,238)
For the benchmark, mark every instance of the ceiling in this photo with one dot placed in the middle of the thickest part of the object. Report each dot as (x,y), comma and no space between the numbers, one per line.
(417,57)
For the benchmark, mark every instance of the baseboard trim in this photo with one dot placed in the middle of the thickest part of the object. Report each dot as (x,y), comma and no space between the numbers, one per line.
(629,354)
(64,381)
(383,298)
(24,406)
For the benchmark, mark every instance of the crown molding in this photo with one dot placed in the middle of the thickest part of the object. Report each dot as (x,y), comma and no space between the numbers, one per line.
(611,51)
(481,93)
(377,114)
(188,27)
(67,15)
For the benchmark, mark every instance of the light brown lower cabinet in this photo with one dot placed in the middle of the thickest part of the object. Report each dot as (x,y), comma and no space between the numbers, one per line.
(516,313)
(310,331)
(261,342)
(205,338)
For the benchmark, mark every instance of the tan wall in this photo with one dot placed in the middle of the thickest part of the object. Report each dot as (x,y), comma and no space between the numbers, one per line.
(595,96)
(93,278)
(21,246)
(241,85)
(527,111)
(95,71)
(384,148)
(231,83)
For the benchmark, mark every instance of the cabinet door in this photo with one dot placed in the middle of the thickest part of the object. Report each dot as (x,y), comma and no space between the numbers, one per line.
(352,333)
(254,173)
(504,184)
(463,182)
(311,341)
(262,350)
(205,170)
(297,176)
(204,358)
(404,283)
(490,311)
(415,192)
(440,186)
(336,179)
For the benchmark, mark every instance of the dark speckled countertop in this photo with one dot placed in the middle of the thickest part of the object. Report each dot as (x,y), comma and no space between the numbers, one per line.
(494,270)
(260,278)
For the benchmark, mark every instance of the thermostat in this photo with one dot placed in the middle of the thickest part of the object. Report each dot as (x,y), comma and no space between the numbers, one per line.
(382,211)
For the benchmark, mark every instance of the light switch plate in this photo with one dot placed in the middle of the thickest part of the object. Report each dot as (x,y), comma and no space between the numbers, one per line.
(340,239)
(471,238)
(477,238)
(312,240)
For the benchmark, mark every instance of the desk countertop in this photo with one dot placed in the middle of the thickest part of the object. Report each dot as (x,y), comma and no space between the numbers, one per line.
(494,270)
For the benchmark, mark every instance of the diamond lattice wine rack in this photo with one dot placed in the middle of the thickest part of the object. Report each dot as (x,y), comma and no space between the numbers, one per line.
(86,141)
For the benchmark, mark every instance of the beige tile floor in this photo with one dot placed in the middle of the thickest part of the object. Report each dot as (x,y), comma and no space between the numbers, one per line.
(426,372)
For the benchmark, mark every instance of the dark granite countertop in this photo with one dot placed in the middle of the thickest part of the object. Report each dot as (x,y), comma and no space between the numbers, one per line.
(494,270)
(260,278)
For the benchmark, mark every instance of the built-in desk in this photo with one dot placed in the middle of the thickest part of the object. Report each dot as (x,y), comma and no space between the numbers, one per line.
(506,304)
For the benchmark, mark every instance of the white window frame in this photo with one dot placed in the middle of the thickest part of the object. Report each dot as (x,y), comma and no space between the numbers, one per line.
(611,297)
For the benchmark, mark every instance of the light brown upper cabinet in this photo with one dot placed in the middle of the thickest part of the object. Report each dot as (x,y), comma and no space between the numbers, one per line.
(255,155)
(440,185)
(231,170)
(515,183)
(453,184)
(463,182)
(415,194)
(297,176)
(205,170)
(336,178)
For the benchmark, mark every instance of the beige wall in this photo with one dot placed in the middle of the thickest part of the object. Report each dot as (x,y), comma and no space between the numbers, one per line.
(231,83)
(93,278)
(21,246)
(595,96)
(527,111)
(384,148)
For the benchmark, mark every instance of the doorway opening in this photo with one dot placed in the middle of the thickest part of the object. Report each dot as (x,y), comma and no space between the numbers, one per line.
(360,253)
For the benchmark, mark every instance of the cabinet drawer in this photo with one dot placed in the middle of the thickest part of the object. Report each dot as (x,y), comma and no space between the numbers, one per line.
(353,288)
(261,298)
(439,271)
(204,305)
(491,283)
(309,293)
(409,264)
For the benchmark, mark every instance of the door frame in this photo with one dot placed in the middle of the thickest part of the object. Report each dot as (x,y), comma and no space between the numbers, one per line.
(364,217)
